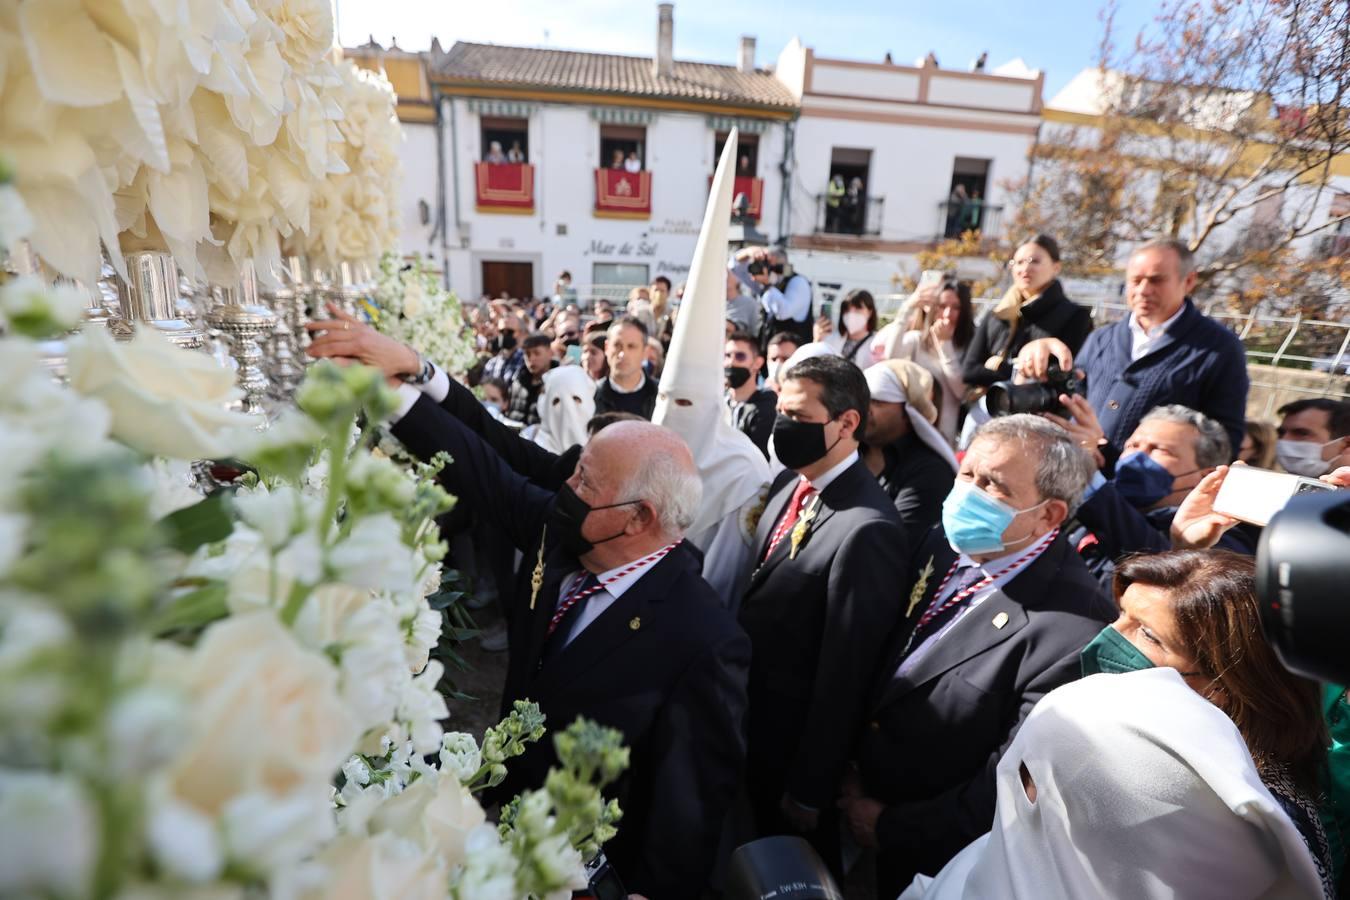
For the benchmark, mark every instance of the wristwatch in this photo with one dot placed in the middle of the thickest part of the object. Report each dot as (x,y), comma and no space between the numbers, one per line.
(425,370)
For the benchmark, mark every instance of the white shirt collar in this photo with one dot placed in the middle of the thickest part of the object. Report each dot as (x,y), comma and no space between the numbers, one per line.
(1140,333)
(822,481)
(618,390)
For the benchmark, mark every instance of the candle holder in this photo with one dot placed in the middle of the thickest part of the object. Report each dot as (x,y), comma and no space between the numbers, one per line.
(243,321)
(296,276)
(342,284)
(149,298)
(284,368)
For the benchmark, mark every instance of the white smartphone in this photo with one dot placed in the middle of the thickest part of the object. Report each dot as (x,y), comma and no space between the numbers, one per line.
(930,278)
(1256,495)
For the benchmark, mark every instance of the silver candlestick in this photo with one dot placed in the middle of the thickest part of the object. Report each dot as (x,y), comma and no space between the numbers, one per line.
(243,321)
(296,276)
(149,297)
(285,371)
(341,284)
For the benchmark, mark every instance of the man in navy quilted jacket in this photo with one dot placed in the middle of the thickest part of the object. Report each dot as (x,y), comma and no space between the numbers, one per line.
(1166,351)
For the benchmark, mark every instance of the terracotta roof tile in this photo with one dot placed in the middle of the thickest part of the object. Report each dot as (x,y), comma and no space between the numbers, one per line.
(608,74)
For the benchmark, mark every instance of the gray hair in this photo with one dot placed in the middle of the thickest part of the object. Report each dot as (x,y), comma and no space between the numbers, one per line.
(1185,258)
(673,490)
(1063,469)
(1212,446)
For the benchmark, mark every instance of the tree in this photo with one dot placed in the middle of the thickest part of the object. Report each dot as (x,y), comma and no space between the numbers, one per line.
(1222,124)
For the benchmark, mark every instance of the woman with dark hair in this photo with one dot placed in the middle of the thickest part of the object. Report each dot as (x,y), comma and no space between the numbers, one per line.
(946,327)
(1258,444)
(1034,307)
(1196,611)
(851,335)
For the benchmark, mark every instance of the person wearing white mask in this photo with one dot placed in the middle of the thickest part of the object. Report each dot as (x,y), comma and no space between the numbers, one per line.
(1314,436)
(851,337)
(566,404)
(1129,786)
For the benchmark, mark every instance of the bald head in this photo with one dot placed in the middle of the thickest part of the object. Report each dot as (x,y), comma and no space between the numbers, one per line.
(642,461)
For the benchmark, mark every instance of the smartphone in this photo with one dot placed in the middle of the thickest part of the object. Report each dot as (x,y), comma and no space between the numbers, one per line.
(930,278)
(1255,495)
(574,353)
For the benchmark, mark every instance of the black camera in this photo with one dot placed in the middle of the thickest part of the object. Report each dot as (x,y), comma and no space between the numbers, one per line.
(758,267)
(785,867)
(1300,580)
(1005,398)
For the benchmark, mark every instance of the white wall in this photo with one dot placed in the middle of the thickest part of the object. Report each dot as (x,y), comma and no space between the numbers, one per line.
(564,146)
(418,156)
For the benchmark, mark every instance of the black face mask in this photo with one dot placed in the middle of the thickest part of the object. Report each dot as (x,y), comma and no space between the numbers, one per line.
(569,514)
(508,341)
(736,376)
(799,444)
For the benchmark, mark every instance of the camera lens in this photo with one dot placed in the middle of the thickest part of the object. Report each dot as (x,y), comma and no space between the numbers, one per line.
(1006,399)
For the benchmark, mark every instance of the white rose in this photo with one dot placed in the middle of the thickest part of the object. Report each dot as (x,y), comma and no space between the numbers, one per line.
(460,755)
(268,832)
(49,835)
(16,223)
(165,401)
(184,840)
(437,813)
(382,867)
(266,712)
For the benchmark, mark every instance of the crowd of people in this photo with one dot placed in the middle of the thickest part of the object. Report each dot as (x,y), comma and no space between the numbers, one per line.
(882,663)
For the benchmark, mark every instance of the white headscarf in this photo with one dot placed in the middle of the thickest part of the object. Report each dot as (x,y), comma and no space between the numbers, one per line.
(1144,790)
(883,381)
(689,399)
(566,404)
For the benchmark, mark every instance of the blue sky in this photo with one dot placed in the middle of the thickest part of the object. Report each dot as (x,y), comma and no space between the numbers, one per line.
(1059,36)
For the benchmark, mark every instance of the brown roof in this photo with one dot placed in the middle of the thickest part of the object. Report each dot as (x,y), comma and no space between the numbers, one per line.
(567,70)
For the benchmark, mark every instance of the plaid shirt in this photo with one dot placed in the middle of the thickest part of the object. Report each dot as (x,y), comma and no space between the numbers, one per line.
(505,367)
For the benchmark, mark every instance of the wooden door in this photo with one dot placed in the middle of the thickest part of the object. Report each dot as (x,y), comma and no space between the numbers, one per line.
(515,278)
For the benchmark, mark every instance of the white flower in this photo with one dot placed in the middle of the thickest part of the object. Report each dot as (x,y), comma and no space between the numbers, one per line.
(436,812)
(460,755)
(412,299)
(164,400)
(424,633)
(28,630)
(12,529)
(28,298)
(380,867)
(173,487)
(423,708)
(277,514)
(267,832)
(489,868)
(49,835)
(374,556)
(16,223)
(356,771)
(307,27)
(184,840)
(144,728)
(559,862)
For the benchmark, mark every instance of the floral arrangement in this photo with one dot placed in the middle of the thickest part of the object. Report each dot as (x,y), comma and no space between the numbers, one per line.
(231,696)
(215,129)
(411,306)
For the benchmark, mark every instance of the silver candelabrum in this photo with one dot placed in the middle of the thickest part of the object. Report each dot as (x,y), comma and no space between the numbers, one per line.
(284,368)
(244,321)
(149,298)
(344,284)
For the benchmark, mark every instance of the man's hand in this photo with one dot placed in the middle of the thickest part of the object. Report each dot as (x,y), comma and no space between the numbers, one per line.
(1196,526)
(802,819)
(1339,477)
(345,337)
(1083,427)
(1034,359)
(861,814)
(821,329)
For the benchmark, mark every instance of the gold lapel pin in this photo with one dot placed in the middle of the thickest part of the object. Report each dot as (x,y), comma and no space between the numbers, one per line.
(1000,620)
(635,623)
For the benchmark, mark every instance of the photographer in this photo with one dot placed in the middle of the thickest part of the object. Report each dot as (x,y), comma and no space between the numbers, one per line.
(784,295)
(1166,351)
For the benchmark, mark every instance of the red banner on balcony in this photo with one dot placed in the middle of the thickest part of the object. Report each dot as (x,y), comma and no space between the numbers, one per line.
(623,195)
(504,187)
(752,188)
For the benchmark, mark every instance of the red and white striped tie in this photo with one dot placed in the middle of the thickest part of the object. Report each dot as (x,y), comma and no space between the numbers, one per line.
(591,584)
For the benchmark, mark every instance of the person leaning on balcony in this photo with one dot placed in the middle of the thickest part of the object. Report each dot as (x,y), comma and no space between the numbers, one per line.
(1034,308)
(515,154)
(494,154)
(834,195)
(1165,351)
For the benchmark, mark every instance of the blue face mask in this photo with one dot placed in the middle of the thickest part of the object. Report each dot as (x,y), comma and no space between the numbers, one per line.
(975,521)
(1142,480)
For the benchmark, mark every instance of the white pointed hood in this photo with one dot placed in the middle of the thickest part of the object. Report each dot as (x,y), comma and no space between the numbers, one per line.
(689,399)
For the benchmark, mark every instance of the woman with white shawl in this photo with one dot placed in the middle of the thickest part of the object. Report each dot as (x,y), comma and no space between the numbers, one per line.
(1129,786)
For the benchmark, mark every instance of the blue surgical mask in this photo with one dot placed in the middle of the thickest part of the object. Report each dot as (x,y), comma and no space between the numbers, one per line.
(975,521)
(1142,480)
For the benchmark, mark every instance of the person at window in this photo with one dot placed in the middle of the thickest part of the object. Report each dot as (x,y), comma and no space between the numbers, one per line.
(1258,444)
(627,389)
(974,209)
(743,169)
(632,164)
(753,408)
(616,161)
(494,155)
(1196,611)
(851,338)
(855,207)
(1165,351)
(834,198)
(945,325)
(956,209)
(515,154)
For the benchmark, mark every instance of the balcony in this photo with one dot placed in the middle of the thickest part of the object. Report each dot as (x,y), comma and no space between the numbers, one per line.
(620,194)
(956,219)
(860,218)
(752,188)
(504,188)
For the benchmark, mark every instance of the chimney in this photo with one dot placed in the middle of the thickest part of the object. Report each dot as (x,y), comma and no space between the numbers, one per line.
(747,63)
(663,65)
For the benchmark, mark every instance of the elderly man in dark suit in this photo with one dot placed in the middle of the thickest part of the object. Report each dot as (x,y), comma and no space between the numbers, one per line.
(828,587)
(1165,351)
(612,620)
(1001,609)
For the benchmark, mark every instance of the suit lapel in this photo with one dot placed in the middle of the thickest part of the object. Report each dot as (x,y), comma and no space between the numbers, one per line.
(773,511)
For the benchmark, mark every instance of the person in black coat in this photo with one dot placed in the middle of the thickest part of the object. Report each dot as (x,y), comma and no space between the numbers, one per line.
(989,630)
(752,408)
(1035,307)
(627,389)
(827,589)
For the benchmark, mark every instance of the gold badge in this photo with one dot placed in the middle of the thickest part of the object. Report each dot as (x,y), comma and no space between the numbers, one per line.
(803,526)
(537,578)
(920,587)
(1000,620)
(635,623)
